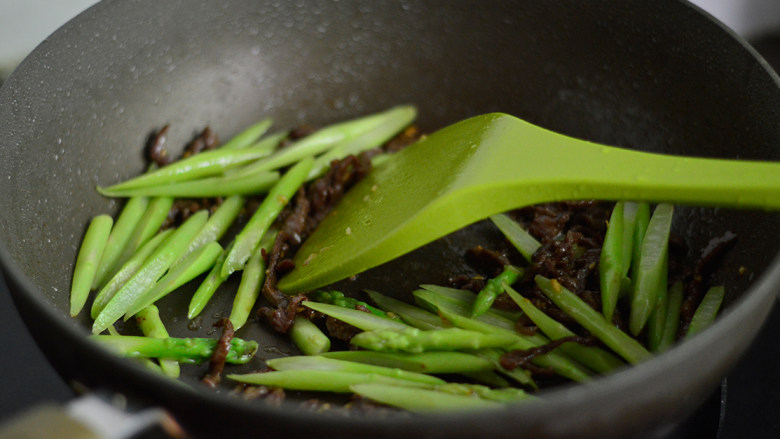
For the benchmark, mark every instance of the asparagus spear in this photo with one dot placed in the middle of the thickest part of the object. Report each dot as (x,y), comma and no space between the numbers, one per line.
(393,122)
(87,262)
(415,340)
(184,350)
(522,240)
(146,228)
(204,164)
(127,271)
(424,362)
(251,282)
(422,319)
(218,186)
(308,337)
(593,321)
(359,319)
(318,380)
(339,299)
(193,266)
(611,262)
(706,311)
(597,359)
(150,272)
(123,227)
(493,288)
(308,363)
(152,326)
(672,319)
(322,140)
(209,285)
(247,240)
(413,315)
(423,400)
(560,363)
(217,224)
(466,297)
(249,135)
(651,273)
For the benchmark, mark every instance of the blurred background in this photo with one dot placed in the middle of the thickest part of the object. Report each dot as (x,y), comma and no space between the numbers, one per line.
(745,406)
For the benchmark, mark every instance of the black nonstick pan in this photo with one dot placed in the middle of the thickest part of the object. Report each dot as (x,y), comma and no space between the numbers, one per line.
(658,76)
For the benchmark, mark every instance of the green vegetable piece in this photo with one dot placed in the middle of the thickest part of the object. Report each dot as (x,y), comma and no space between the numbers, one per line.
(656,321)
(519,374)
(339,299)
(466,297)
(251,184)
(249,135)
(641,221)
(151,325)
(248,239)
(270,143)
(123,228)
(251,282)
(422,400)
(493,288)
(204,164)
(672,320)
(218,223)
(505,395)
(307,363)
(652,269)
(522,240)
(597,359)
(395,120)
(437,303)
(590,319)
(559,363)
(149,225)
(359,319)
(308,338)
(87,261)
(416,340)
(183,350)
(318,380)
(209,285)
(127,271)
(415,316)
(706,311)
(630,211)
(319,141)
(193,266)
(611,262)
(150,272)
(433,362)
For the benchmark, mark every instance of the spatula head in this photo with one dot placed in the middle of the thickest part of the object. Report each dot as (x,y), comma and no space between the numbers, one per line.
(410,200)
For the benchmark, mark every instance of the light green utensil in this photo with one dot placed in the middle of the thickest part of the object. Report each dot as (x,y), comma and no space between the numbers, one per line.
(496,162)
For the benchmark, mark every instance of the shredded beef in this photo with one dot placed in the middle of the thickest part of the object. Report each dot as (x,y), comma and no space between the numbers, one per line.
(490,261)
(206,140)
(340,330)
(308,209)
(218,357)
(156,150)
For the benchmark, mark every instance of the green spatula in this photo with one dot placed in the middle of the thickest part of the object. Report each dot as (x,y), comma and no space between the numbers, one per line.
(494,163)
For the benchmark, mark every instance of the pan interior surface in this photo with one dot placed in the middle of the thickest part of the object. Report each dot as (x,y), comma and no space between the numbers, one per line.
(656,76)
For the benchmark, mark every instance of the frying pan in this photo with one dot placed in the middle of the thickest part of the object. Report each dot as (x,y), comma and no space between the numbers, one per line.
(659,76)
